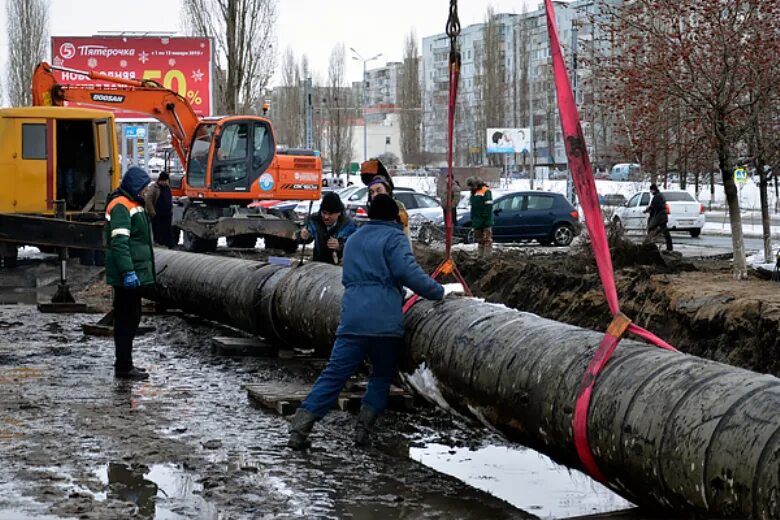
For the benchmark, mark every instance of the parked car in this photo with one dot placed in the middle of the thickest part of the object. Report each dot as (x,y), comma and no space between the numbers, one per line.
(612,199)
(356,202)
(625,172)
(301,209)
(545,217)
(684,211)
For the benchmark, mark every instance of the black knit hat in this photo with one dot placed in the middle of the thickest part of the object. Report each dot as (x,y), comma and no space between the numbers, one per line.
(383,207)
(331,203)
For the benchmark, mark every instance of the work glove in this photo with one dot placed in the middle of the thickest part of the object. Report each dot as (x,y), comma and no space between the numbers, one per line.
(453,289)
(131,281)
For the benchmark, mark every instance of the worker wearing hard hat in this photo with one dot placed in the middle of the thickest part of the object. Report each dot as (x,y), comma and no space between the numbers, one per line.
(374,175)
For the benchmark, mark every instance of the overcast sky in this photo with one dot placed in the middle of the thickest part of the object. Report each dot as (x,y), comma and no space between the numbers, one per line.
(312,27)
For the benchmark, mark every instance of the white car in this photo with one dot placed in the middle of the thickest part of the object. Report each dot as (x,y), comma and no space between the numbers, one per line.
(302,209)
(684,211)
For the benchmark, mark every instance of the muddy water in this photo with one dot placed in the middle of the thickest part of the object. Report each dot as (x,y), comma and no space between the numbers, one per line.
(522,477)
(188,444)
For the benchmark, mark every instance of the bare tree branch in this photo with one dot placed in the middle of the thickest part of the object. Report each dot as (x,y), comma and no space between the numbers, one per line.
(28,35)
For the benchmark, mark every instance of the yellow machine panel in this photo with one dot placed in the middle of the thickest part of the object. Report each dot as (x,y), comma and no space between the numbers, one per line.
(56,153)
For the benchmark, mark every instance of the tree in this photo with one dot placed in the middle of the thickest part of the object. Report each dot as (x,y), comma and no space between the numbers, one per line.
(27,31)
(243,32)
(491,76)
(411,103)
(289,115)
(340,109)
(706,56)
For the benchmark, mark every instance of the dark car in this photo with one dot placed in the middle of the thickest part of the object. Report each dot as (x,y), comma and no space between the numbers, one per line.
(545,217)
(612,199)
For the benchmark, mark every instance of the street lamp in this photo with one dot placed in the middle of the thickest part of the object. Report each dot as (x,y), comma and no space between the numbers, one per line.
(358,57)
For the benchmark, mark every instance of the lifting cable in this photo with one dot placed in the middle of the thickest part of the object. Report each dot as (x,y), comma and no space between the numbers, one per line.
(582,173)
(447,266)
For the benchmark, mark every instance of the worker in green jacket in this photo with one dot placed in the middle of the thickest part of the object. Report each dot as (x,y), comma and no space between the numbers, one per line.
(129,265)
(481,214)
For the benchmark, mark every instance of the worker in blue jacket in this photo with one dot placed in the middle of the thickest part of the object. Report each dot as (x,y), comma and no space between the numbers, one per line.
(378,263)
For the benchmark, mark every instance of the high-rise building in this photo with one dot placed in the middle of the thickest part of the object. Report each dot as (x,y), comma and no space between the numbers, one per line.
(512,87)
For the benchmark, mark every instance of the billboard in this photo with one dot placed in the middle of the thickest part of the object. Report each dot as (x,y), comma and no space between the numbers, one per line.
(180,64)
(508,140)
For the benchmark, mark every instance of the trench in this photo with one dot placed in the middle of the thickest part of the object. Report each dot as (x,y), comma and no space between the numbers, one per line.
(693,304)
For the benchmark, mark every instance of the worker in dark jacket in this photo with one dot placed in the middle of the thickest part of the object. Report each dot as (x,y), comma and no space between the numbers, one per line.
(159,208)
(656,221)
(129,264)
(378,263)
(329,229)
(481,214)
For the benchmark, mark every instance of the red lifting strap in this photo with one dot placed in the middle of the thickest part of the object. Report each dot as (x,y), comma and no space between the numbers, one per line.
(582,173)
(447,266)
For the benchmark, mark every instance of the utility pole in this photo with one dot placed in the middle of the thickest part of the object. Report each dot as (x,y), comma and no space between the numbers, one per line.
(532,151)
(358,57)
(308,122)
(570,194)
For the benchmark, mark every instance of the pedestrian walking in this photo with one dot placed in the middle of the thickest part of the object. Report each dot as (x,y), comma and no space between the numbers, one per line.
(378,263)
(658,218)
(129,265)
(329,229)
(481,214)
(159,208)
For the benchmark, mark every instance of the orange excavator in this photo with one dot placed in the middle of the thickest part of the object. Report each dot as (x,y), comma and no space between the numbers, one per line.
(228,161)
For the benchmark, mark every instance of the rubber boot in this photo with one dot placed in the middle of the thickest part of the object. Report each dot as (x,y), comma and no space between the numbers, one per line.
(365,426)
(300,428)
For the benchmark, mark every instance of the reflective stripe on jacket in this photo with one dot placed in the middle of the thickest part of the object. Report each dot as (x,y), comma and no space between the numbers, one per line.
(128,241)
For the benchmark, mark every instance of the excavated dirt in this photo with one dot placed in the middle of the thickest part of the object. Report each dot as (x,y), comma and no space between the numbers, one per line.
(695,305)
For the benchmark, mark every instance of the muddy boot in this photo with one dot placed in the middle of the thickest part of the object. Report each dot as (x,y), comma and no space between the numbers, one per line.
(364,426)
(300,428)
(133,374)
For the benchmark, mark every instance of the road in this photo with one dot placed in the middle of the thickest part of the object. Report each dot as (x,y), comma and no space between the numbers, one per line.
(715,241)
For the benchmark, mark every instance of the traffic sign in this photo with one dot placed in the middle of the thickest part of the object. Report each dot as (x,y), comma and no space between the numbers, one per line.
(135,132)
(740,175)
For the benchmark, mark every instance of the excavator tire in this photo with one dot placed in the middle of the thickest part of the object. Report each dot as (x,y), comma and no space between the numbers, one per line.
(195,244)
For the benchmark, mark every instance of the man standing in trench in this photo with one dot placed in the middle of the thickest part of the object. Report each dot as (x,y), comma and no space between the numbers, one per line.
(481,214)
(378,263)
(129,265)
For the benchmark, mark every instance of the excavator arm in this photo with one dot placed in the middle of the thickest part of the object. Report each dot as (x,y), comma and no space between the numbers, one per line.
(144,96)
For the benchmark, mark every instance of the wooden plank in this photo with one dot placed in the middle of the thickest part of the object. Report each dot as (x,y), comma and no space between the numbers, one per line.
(285,398)
(228,346)
(64,308)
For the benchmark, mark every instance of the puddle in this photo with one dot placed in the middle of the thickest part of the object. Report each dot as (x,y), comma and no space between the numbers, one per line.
(26,295)
(161,491)
(526,479)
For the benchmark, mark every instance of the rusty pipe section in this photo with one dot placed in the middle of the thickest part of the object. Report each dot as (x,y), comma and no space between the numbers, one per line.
(668,430)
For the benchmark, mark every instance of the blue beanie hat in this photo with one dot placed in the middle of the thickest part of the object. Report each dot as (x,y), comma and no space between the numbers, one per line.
(134,181)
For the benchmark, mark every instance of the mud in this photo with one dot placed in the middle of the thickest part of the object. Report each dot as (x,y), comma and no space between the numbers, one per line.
(77,443)
(695,305)
(74,443)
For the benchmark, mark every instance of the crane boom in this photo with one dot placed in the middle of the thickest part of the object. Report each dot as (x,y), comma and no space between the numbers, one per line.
(142,96)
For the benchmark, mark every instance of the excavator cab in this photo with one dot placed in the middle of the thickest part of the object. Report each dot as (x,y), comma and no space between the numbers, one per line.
(232,156)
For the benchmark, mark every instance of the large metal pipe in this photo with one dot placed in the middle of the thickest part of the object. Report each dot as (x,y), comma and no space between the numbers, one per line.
(668,430)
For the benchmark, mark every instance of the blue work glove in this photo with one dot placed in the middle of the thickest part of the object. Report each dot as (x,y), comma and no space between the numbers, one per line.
(131,280)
